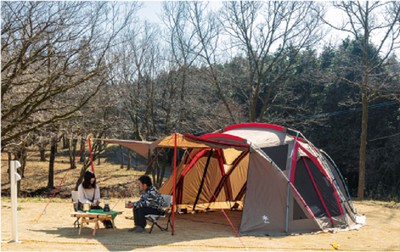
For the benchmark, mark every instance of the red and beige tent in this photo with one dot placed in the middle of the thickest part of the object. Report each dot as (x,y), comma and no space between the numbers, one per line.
(278,179)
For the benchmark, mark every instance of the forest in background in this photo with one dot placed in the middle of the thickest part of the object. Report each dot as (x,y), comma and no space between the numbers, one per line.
(70,70)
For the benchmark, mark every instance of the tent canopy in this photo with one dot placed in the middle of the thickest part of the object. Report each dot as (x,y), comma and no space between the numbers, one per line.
(143,148)
(186,141)
(281,182)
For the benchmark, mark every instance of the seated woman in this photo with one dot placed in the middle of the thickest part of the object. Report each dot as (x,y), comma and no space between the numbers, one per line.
(89,193)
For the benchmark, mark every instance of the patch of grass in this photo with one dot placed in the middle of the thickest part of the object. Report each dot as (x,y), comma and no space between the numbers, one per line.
(34,200)
(113,180)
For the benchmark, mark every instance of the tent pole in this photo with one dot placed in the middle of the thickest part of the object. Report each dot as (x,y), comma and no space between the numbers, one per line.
(90,154)
(292,157)
(174,188)
(202,180)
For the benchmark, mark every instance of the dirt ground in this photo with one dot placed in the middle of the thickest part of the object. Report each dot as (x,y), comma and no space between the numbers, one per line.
(54,231)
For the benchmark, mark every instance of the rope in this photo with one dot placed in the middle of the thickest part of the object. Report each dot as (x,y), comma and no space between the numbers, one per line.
(52,196)
(234,229)
(59,186)
(151,162)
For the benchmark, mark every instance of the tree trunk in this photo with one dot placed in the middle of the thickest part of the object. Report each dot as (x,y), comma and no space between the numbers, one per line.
(252,109)
(42,154)
(164,165)
(53,151)
(65,142)
(129,160)
(136,161)
(9,166)
(24,155)
(22,160)
(149,167)
(364,118)
(121,151)
(83,151)
(72,151)
(363,144)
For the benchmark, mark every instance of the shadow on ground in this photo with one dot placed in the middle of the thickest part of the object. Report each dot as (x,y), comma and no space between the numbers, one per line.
(188,228)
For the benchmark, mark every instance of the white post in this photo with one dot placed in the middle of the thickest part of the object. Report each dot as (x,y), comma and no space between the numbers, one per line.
(14,204)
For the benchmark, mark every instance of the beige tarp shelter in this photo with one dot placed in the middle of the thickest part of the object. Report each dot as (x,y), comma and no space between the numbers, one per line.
(144,147)
(279,180)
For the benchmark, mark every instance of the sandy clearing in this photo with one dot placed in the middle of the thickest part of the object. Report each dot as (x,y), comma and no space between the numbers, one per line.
(211,231)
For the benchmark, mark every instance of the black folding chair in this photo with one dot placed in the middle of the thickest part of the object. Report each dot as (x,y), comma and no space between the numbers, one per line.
(165,212)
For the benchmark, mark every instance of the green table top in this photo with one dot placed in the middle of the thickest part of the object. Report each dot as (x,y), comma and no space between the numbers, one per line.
(100,211)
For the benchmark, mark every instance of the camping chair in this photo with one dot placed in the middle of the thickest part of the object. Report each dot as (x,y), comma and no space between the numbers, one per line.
(165,211)
(74,196)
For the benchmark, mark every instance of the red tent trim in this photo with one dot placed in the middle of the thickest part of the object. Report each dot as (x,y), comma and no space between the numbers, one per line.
(255,125)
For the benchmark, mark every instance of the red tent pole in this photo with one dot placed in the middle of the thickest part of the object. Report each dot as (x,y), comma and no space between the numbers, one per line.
(91,154)
(174,188)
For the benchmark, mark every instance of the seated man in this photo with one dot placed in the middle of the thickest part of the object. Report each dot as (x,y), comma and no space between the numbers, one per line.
(149,203)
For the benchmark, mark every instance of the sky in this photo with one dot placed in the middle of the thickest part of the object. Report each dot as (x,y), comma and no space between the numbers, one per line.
(152,9)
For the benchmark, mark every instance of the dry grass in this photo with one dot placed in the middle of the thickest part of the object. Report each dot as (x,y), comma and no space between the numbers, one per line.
(109,176)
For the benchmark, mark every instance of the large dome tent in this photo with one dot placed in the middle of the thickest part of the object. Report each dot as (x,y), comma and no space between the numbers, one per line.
(277,179)
(280,181)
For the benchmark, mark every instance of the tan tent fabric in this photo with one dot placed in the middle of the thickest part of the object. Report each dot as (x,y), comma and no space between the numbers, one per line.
(193,179)
(181,142)
(265,201)
(144,147)
(166,187)
(141,147)
(239,176)
(230,155)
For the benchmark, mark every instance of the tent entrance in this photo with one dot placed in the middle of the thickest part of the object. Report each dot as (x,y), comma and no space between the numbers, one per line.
(315,189)
(206,181)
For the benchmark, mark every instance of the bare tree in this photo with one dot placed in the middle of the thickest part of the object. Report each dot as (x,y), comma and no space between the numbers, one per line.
(53,60)
(364,20)
(207,31)
(269,35)
(136,71)
(183,46)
